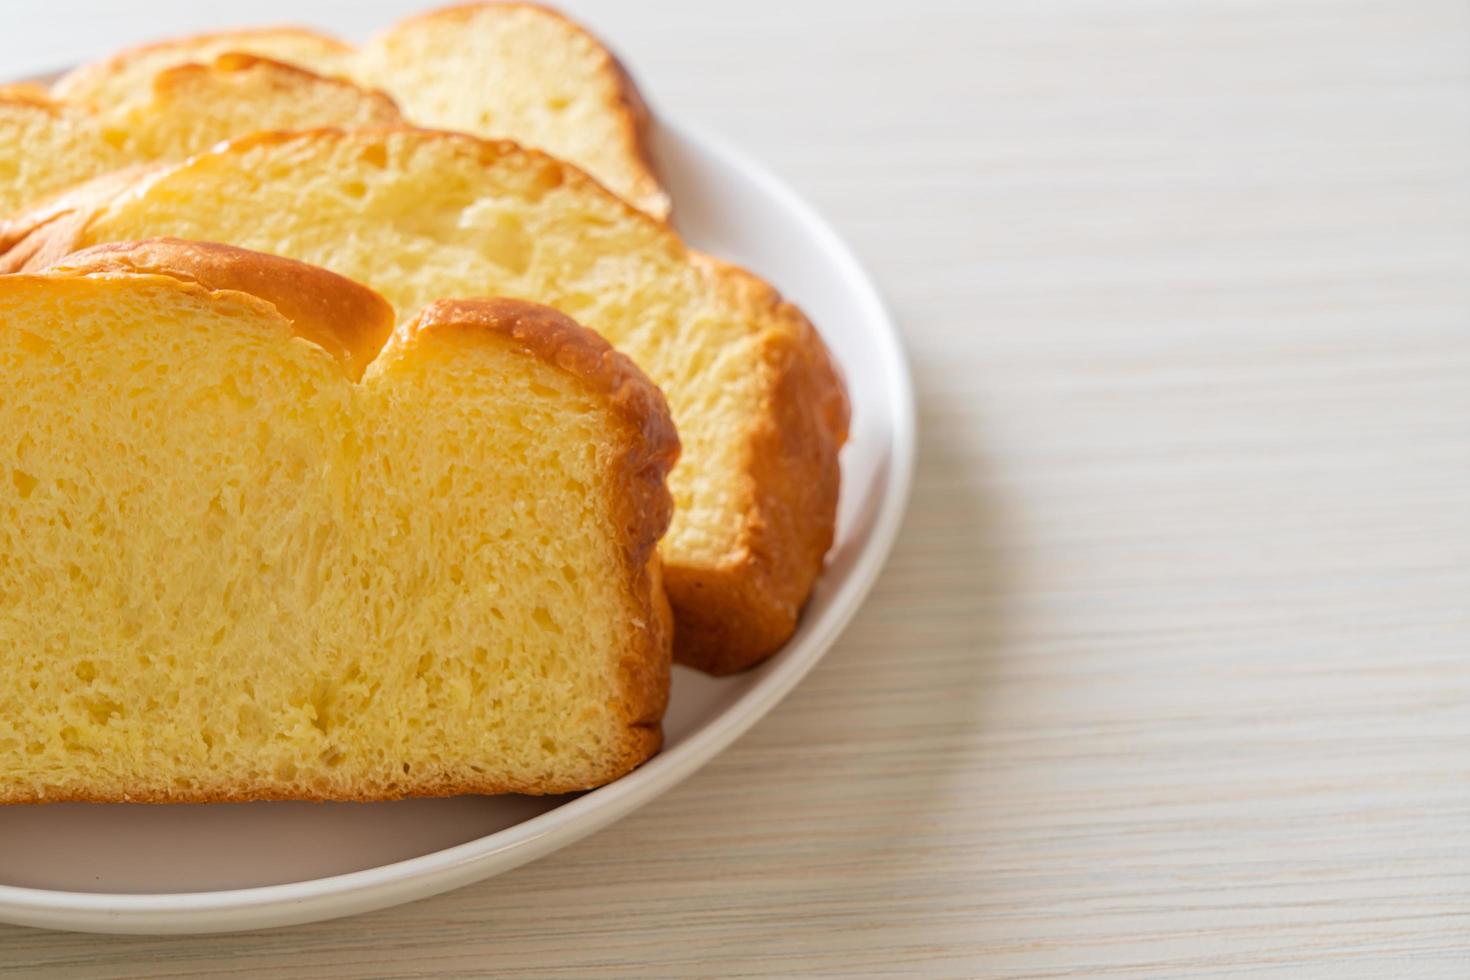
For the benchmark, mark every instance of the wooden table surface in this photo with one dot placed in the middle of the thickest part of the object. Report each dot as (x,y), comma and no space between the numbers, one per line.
(1170,672)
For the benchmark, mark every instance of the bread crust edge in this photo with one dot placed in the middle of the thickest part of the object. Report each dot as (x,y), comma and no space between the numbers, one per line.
(345,318)
(62,88)
(740,612)
(646,505)
(170,80)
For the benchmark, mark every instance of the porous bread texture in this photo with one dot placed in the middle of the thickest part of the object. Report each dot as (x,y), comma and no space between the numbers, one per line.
(228,572)
(419,215)
(517,71)
(47,145)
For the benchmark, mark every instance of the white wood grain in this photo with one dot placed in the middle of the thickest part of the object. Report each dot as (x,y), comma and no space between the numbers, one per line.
(1170,673)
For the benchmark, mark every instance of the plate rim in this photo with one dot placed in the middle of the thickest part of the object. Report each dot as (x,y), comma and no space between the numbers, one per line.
(385,885)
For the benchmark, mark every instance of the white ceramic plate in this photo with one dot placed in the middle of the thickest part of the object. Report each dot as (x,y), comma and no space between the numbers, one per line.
(222,867)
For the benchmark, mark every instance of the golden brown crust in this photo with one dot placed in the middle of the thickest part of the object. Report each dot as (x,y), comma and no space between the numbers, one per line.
(633,113)
(32,96)
(733,616)
(82,76)
(637,119)
(346,319)
(653,448)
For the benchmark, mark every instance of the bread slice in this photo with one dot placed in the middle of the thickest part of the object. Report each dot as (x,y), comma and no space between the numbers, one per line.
(523,72)
(230,572)
(47,145)
(515,71)
(419,215)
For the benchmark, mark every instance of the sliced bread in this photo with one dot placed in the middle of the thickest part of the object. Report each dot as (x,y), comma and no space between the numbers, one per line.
(515,71)
(421,215)
(231,572)
(523,72)
(47,145)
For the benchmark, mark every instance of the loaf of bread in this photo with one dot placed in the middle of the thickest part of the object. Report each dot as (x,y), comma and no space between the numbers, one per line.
(48,144)
(515,71)
(242,564)
(421,215)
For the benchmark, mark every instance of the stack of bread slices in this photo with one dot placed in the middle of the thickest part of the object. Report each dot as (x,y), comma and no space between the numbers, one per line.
(366,431)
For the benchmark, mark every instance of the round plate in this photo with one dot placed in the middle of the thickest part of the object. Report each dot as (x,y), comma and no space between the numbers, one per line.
(222,867)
